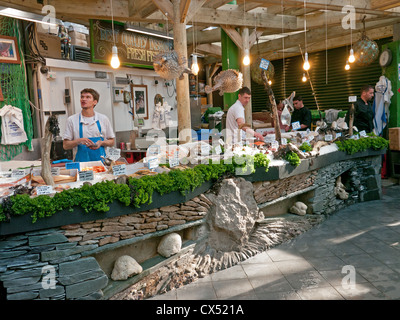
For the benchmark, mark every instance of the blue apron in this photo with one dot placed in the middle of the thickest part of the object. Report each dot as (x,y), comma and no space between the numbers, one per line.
(84,153)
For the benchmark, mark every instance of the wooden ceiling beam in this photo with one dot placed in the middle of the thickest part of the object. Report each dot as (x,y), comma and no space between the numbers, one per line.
(336,42)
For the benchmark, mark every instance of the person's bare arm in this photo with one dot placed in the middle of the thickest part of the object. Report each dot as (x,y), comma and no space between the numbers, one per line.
(246,128)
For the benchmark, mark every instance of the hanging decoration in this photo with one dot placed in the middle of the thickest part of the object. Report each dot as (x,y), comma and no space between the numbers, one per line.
(227,81)
(255,71)
(366,50)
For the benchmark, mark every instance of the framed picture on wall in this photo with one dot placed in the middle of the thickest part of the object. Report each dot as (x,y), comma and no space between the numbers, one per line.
(140,102)
(9,50)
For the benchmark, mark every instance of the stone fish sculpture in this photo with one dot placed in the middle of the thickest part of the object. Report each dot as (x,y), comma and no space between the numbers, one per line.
(226,81)
(169,65)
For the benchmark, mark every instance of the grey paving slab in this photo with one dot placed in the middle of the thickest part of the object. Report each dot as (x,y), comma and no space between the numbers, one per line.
(365,236)
(337,277)
(362,291)
(270,284)
(389,288)
(232,288)
(322,293)
(294,266)
(196,291)
(308,279)
(289,295)
(326,263)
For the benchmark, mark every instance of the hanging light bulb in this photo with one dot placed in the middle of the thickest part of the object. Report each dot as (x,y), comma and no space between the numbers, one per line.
(114,58)
(306,65)
(351,57)
(304,79)
(347,66)
(195,66)
(269,82)
(246,58)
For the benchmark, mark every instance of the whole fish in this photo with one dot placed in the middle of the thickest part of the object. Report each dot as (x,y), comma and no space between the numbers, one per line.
(226,81)
(169,65)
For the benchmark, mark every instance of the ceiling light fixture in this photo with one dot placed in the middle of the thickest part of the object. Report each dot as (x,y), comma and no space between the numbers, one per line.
(246,58)
(115,63)
(304,79)
(347,66)
(18,14)
(195,66)
(149,32)
(306,65)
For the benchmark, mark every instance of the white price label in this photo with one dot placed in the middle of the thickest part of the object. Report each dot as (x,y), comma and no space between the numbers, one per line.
(352,98)
(86,175)
(152,163)
(119,169)
(55,171)
(18,174)
(113,153)
(363,133)
(218,150)
(44,190)
(296,125)
(221,142)
(153,150)
(174,160)
(284,141)
(328,137)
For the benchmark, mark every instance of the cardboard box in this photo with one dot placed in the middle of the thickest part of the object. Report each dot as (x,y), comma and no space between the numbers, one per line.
(49,45)
(394,139)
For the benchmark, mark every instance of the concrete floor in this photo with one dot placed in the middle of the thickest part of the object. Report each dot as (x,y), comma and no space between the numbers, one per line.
(353,255)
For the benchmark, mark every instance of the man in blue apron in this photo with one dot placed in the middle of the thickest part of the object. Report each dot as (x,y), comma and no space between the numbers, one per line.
(88,131)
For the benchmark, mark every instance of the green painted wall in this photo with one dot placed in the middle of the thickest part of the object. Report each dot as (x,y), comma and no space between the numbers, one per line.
(392,73)
(230,60)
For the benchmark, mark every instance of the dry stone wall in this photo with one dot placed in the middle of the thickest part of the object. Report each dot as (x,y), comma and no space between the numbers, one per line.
(102,232)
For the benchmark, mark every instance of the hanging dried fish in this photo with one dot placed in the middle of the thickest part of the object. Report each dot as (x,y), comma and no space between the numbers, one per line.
(226,81)
(169,65)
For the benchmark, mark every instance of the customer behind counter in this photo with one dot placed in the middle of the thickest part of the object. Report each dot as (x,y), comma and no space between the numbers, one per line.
(88,131)
(235,118)
(363,110)
(301,114)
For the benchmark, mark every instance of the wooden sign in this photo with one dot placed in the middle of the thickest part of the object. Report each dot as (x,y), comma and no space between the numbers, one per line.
(134,49)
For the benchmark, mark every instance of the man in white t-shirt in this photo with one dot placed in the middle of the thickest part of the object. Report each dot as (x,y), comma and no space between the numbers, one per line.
(88,131)
(235,123)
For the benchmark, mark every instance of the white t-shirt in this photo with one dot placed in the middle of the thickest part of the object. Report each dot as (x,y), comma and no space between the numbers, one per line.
(89,127)
(233,132)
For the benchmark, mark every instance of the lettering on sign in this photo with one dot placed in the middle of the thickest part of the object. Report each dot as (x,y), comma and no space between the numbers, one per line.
(119,169)
(86,175)
(296,125)
(133,48)
(44,190)
(18,174)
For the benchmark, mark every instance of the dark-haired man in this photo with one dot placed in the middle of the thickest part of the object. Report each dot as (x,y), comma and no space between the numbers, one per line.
(235,122)
(363,110)
(88,131)
(301,115)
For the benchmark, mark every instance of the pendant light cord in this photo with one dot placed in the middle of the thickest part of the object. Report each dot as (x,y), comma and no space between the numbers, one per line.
(112,21)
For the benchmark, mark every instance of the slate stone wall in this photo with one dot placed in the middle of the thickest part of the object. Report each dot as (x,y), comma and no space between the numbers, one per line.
(44,265)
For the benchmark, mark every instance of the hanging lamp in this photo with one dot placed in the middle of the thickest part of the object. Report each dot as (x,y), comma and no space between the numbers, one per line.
(115,63)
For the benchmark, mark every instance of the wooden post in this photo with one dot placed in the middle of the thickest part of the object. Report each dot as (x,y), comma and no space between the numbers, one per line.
(46,149)
(182,86)
(351,119)
(209,83)
(246,75)
(274,108)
